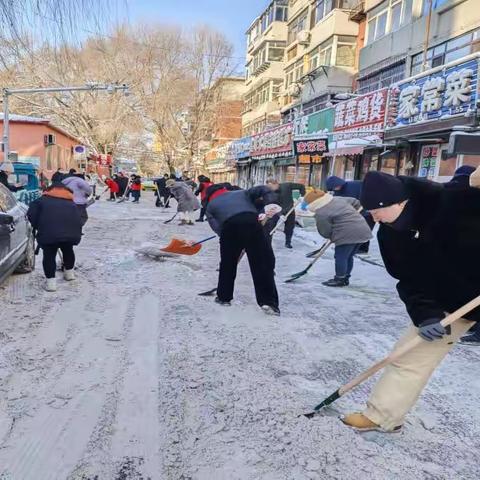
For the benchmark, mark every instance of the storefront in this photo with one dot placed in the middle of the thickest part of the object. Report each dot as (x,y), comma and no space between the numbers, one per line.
(309,151)
(272,154)
(358,144)
(239,154)
(318,126)
(220,168)
(425,109)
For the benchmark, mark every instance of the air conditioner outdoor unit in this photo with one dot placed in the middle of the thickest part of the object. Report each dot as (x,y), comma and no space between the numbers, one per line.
(50,139)
(303,37)
(294,90)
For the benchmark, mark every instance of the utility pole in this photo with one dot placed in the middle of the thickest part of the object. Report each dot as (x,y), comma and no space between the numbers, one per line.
(427,35)
(7,92)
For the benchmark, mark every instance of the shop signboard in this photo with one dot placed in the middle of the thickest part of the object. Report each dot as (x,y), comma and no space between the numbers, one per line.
(361,117)
(428,162)
(322,121)
(439,94)
(239,149)
(273,143)
(310,146)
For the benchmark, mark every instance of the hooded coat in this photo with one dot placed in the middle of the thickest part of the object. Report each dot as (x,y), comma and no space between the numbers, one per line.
(183,194)
(338,220)
(432,249)
(80,188)
(352,189)
(55,217)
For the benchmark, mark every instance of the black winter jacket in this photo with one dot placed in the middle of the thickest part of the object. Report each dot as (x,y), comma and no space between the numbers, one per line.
(285,192)
(56,220)
(162,185)
(4,181)
(230,204)
(436,258)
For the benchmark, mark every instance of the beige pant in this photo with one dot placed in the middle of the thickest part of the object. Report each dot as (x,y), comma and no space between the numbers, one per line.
(403,381)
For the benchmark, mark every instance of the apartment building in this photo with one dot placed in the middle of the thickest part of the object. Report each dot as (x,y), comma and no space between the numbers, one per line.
(320,56)
(266,42)
(226,117)
(422,41)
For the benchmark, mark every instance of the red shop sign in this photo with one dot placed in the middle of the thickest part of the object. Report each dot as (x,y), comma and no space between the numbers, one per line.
(276,142)
(362,116)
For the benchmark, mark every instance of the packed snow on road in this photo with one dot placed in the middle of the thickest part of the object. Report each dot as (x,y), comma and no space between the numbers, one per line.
(127,373)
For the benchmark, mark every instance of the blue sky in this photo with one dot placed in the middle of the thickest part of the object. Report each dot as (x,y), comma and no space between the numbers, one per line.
(229,16)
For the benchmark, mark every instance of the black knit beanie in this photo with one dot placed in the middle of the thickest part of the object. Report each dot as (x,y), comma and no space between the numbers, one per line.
(382,190)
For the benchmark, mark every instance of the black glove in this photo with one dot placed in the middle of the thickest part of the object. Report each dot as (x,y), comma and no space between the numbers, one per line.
(432,329)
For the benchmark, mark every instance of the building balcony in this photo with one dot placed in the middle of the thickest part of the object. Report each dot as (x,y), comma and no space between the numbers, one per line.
(277,31)
(358,13)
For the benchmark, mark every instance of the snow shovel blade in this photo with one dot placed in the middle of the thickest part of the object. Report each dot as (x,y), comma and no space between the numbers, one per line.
(170,219)
(314,253)
(181,247)
(298,275)
(328,401)
(208,293)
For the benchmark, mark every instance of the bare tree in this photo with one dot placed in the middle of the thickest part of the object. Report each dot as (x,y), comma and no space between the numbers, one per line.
(172,75)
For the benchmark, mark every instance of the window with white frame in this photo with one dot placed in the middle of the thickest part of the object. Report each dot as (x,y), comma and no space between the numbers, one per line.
(299,24)
(266,92)
(446,52)
(321,8)
(323,54)
(294,72)
(388,17)
(346,48)
(276,51)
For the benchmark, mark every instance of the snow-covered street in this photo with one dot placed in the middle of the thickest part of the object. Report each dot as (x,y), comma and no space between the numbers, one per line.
(128,374)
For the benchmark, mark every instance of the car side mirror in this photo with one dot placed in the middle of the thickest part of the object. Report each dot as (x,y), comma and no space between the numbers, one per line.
(6,219)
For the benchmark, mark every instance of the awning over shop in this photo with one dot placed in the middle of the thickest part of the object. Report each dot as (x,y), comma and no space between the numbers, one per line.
(243,162)
(285,162)
(344,151)
(265,163)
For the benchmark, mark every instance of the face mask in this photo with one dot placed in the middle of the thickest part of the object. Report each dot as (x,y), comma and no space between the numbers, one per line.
(304,205)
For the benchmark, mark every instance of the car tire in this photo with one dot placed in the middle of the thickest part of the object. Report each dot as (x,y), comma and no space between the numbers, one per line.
(28,263)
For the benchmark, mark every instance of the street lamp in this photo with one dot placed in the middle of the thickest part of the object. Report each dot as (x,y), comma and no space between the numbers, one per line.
(88,87)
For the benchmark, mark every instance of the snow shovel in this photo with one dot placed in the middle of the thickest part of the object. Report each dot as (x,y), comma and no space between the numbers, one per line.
(98,197)
(127,191)
(213,291)
(182,247)
(170,219)
(282,221)
(315,252)
(395,355)
(298,275)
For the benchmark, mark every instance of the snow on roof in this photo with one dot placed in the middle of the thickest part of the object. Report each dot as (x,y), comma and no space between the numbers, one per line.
(24,118)
(38,120)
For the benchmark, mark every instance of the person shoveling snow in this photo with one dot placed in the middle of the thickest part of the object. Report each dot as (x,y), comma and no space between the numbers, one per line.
(429,237)
(234,217)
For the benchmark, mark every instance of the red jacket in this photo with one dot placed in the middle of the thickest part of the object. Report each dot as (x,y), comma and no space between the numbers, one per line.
(136,186)
(203,190)
(112,185)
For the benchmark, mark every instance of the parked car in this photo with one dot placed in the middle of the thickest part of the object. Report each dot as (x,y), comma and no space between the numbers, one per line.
(17,243)
(148,184)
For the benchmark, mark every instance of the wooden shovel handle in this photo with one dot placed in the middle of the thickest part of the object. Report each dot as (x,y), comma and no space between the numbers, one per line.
(280,223)
(460,313)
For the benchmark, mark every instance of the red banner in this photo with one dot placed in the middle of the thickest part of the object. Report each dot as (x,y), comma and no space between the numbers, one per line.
(103,160)
(361,116)
(274,143)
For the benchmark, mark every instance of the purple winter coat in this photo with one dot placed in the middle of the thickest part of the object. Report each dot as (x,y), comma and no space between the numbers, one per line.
(80,188)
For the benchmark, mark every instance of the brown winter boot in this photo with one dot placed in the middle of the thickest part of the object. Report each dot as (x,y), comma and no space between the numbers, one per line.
(361,423)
